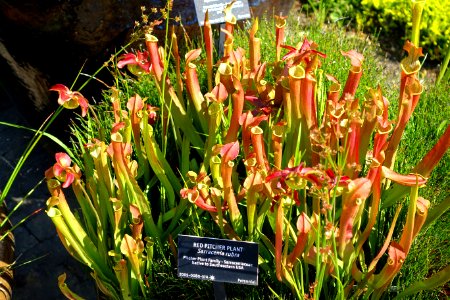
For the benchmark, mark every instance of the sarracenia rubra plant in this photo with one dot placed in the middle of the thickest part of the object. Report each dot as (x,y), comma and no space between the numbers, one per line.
(248,149)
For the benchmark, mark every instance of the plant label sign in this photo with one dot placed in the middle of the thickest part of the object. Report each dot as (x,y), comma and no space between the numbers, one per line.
(215,9)
(217,260)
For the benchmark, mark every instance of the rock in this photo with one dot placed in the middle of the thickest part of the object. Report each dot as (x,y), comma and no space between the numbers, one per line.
(49,42)
(43,43)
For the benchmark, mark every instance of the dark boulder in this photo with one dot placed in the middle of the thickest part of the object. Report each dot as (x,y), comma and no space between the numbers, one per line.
(48,42)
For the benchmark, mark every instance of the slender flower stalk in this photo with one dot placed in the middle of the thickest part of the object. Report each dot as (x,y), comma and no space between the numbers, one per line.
(176,56)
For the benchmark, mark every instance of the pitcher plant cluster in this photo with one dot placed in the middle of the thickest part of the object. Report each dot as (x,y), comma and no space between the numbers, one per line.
(271,151)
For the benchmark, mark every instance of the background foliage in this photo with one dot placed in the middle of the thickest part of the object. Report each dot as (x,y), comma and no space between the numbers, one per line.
(391,18)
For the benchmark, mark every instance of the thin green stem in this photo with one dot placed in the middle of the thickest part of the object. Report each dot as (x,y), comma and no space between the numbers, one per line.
(30,147)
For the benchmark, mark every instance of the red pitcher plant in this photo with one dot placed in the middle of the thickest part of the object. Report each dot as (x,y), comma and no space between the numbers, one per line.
(248,146)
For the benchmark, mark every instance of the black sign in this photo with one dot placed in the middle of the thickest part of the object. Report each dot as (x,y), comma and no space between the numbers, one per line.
(215,10)
(217,260)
